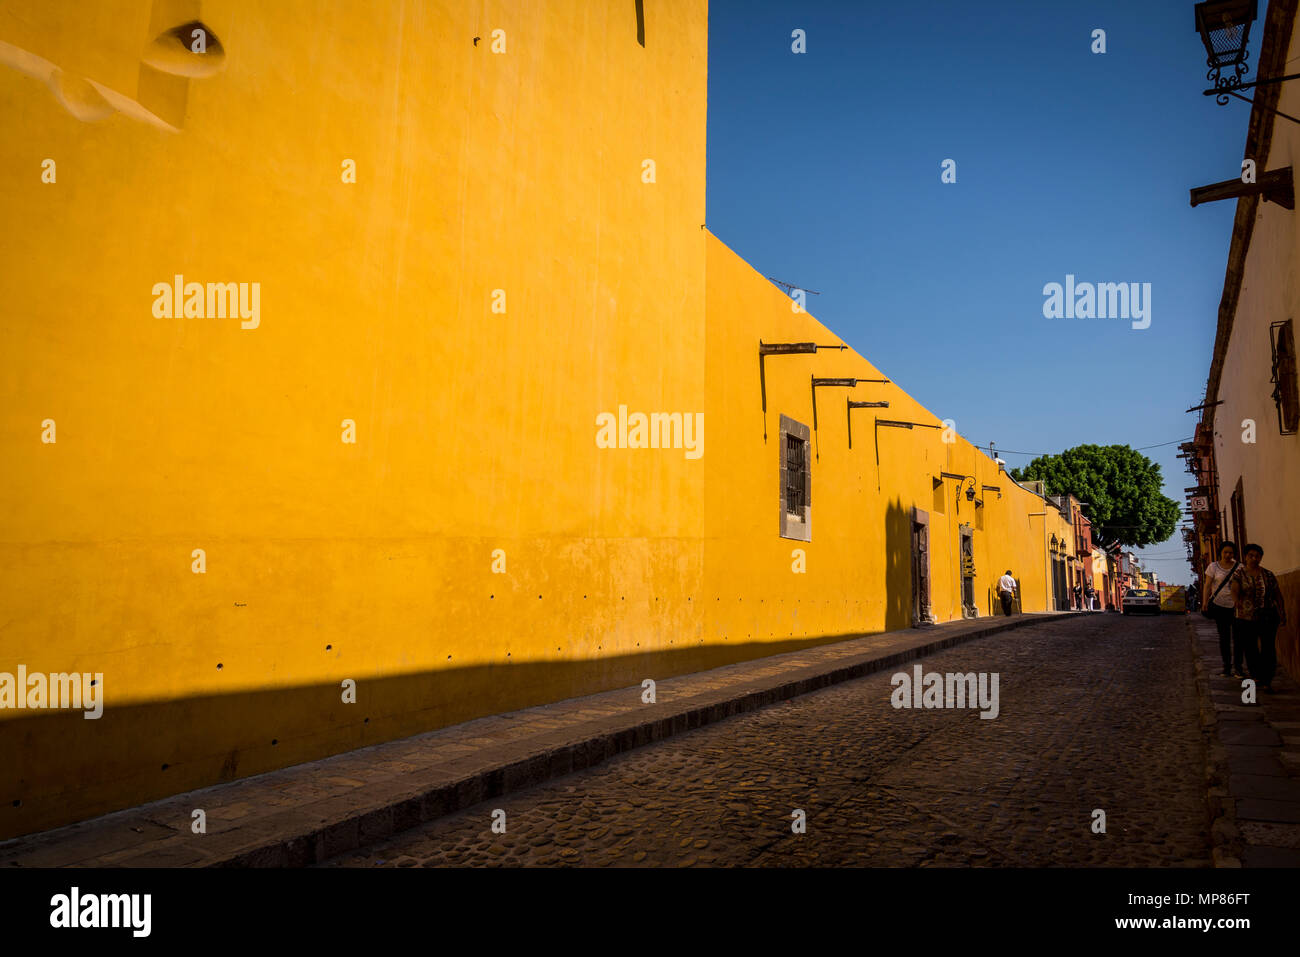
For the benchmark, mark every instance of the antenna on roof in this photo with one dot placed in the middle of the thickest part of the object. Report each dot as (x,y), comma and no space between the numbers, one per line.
(789,286)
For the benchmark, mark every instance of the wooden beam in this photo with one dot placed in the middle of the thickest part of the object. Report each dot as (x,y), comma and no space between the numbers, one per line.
(1275,186)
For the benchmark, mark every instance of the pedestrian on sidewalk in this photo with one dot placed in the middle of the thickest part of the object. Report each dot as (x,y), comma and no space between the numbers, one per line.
(1078,597)
(1219,606)
(1007,592)
(1259,610)
(1091,596)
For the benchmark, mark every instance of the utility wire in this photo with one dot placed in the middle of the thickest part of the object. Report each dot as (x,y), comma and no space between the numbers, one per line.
(1138,449)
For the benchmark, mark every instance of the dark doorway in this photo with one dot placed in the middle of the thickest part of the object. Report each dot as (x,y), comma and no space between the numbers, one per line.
(968,609)
(921,614)
(1060,584)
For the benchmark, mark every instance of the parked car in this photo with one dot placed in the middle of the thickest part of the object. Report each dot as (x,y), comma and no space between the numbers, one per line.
(1141,600)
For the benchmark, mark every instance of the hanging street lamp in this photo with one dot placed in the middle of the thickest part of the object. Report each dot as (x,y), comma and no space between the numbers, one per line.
(1224,26)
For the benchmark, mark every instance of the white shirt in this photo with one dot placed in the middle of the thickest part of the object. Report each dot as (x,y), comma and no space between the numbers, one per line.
(1007,583)
(1213,575)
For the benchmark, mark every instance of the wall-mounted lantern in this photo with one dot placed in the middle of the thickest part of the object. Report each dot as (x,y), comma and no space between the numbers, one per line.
(961,482)
(1224,26)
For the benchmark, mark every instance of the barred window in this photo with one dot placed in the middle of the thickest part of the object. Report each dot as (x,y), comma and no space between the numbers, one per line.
(1237,503)
(795,452)
(1285,394)
(795,480)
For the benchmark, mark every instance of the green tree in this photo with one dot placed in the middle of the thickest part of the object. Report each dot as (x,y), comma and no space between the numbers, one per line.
(1122,489)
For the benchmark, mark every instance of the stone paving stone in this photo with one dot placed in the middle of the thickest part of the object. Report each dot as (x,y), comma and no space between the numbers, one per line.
(1257,856)
(1270,787)
(1253,751)
(1240,763)
(1238,714)
(1260,809)
(1259,735)
(1271,833)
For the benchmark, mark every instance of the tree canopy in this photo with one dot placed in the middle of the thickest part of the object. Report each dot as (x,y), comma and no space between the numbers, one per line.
(1121,486)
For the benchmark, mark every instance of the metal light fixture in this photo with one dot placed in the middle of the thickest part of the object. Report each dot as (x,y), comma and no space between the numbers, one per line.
(961,482)
(1224,26)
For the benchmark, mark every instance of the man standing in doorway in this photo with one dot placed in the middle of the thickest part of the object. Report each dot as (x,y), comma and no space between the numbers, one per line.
(1007,592)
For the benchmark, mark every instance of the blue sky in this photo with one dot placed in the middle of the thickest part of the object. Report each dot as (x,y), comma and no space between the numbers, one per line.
(824,170)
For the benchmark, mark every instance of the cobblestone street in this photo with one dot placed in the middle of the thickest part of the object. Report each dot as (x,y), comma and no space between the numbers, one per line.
(1097,712)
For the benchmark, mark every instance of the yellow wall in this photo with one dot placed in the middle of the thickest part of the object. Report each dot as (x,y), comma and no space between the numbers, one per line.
(327,561)
(858,574)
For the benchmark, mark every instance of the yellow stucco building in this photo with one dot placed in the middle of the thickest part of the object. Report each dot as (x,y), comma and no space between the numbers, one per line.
(328,335)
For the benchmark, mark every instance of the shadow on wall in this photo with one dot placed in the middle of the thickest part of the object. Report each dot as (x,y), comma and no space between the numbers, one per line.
(58,767)
(898,566)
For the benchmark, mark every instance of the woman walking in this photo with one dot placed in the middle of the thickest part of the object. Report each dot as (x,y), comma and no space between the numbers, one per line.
(1219,605)
(1259,610)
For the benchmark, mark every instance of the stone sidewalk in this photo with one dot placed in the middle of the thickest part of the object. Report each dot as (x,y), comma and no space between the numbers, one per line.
(310,812)
(1253,758)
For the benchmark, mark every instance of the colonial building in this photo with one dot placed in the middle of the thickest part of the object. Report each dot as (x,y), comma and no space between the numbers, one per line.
(1245,455)
(1080,557)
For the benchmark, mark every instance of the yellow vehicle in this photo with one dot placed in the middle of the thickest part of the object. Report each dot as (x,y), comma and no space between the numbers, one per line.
(1173,598)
